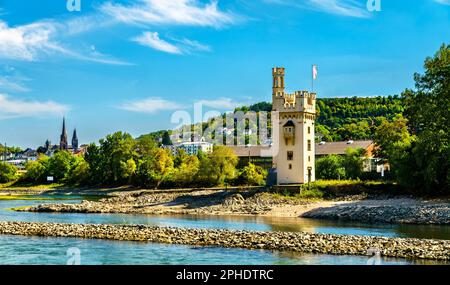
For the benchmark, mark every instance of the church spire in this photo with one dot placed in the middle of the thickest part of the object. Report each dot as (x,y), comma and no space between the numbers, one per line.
(75,140)
(63,144)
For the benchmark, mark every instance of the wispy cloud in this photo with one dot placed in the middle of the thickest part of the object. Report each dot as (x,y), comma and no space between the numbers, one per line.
(445,2)
(11,84)
(183,46)
(221,103)
(15,108)
(173,12)
(152,39)
(32,42)
(150,105)
(348,8)
(27,41)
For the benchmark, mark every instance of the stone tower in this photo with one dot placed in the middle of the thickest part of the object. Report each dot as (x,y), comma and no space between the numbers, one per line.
(296,114)
(63,144)
(75,140)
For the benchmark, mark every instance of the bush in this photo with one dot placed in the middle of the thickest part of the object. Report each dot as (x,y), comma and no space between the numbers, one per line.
(253,175)
(36,170)
(7,172)
(330,167)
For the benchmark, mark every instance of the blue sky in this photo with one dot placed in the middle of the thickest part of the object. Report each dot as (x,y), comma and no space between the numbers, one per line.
(128,65)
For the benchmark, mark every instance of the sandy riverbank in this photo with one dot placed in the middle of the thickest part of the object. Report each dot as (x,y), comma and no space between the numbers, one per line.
(256,202)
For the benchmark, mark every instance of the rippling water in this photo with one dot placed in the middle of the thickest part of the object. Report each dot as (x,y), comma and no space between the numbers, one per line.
(37,250)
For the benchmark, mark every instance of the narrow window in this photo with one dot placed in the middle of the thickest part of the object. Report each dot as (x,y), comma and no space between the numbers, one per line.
(309,130)
(290,166)
(290,155)
(309,145)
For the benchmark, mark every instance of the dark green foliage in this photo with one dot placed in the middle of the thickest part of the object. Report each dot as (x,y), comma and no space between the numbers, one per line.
(428,114)
(7,172)
(330,167)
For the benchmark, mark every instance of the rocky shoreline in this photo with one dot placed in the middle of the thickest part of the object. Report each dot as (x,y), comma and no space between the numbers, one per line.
(393,211)
(279,241)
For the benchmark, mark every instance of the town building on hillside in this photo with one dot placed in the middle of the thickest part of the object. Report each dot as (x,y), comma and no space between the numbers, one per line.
(339,148)
(191,148)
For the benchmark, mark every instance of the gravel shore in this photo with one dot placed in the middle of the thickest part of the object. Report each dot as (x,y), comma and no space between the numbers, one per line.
(280,241)
(394,211)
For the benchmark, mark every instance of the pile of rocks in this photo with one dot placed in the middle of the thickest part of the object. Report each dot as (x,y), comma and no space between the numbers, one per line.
(281,241)
(412,213)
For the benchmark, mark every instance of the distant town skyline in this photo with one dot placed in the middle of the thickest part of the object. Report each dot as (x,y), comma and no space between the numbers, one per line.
(127,65)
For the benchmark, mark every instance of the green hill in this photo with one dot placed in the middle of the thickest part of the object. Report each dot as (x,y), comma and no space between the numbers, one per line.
(342,118)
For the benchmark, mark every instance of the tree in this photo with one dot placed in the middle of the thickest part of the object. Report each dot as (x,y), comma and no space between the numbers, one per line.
(111,162)
(166,139)
(36,171)
(253,175)
(428,113)
(59,165)
(153,170)
(353,162)
(390,137)
(186,169)
(330,167)
(223,163)
(7,172)
(79,172)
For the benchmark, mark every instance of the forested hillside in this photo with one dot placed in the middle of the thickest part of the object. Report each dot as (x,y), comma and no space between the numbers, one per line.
(347,118)
(341,119)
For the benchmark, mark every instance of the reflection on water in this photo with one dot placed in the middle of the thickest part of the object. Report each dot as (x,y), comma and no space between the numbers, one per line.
(39,250)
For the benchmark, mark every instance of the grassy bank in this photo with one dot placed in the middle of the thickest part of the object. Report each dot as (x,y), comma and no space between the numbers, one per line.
(28,186)
(332,189)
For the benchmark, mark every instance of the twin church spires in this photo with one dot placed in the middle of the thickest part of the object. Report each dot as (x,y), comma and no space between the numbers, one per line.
(63,142)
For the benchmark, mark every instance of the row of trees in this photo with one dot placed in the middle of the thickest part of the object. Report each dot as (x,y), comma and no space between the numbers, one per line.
(121,160)
(417,145)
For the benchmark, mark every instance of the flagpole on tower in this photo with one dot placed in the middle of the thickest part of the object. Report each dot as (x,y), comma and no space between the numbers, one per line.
(314,76)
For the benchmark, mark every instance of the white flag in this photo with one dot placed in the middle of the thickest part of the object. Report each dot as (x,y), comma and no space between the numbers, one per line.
(314,72)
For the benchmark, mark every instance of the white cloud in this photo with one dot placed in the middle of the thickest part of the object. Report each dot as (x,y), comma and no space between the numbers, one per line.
(152,39)
(33,41)
(15,108)
(445,2)
(173,12)
(190,46)
(220,103)
(150,105)
(9,84)
(183,46)
(27,41)
(348,8)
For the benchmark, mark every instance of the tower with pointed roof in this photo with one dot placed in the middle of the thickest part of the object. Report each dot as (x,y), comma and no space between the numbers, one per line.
(63,144)
(75,141)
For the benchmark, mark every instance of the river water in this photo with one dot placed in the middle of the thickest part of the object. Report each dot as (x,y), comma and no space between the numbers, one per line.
(38,250)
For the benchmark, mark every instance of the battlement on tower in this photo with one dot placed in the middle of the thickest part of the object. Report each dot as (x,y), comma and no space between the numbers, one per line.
(296,113)
(301,101)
